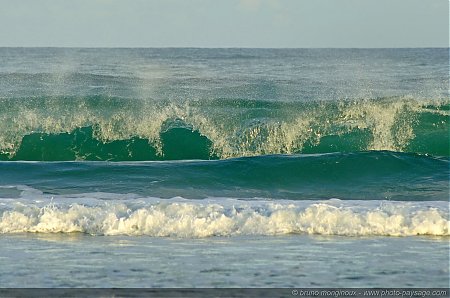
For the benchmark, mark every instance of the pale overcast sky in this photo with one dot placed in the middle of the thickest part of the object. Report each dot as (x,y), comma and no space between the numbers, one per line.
(225,23)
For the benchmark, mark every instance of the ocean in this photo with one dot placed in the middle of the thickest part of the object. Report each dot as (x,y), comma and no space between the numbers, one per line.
(187,167)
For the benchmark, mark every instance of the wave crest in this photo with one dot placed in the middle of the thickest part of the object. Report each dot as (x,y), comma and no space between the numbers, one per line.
(95,128)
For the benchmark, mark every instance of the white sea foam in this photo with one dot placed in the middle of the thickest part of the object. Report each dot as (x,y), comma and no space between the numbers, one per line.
(224,217)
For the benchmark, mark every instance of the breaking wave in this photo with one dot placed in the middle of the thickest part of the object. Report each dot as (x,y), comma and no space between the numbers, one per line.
(104,128)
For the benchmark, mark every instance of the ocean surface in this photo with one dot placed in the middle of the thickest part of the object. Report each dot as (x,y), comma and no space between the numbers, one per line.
(224,167)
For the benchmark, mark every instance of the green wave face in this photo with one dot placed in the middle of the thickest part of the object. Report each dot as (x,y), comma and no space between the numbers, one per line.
(81,144)
(116,129)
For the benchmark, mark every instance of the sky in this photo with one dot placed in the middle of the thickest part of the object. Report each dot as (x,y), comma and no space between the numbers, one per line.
(225,23)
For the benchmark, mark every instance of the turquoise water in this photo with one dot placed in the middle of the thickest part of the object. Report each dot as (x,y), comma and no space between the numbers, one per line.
(224,167)
(121,129)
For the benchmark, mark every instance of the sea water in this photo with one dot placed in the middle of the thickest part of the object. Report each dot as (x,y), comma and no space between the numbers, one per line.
(224,167)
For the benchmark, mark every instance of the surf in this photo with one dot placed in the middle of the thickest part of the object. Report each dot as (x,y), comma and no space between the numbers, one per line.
(182,218)
(120,129)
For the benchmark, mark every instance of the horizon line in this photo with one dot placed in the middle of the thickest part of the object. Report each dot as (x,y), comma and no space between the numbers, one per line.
(200,47)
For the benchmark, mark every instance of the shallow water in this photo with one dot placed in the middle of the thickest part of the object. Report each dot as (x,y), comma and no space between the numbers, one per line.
(78,260)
